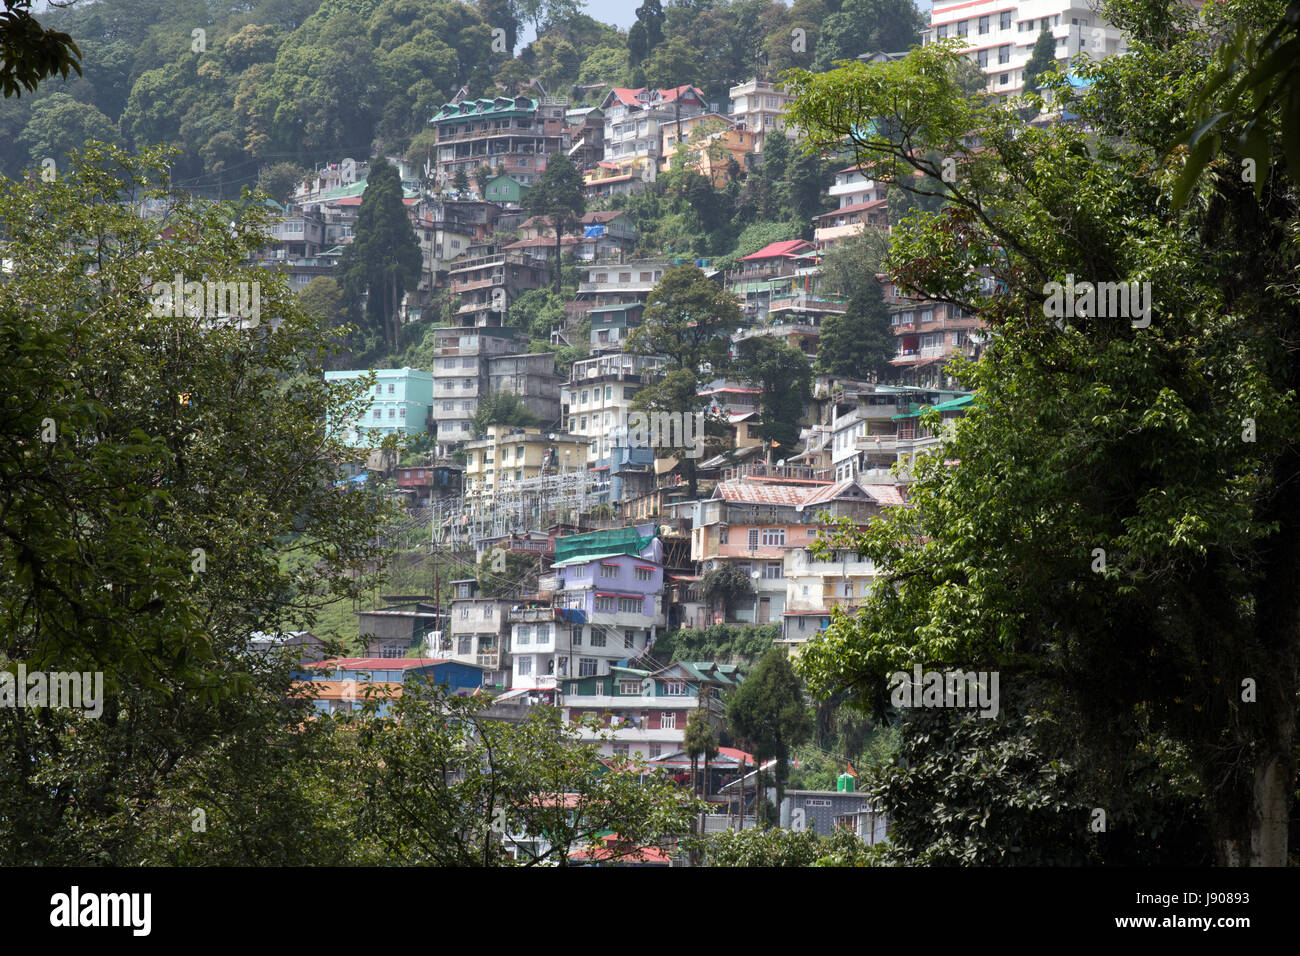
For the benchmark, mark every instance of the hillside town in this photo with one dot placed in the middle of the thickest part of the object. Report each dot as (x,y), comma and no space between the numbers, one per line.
(721,433)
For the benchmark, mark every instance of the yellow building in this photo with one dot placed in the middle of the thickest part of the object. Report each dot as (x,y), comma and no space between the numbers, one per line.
(709,142)
(511,453)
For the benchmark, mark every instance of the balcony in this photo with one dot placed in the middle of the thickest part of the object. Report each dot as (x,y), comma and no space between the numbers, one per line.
(491,661)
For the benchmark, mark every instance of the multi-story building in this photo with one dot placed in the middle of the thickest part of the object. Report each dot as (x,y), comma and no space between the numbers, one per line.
(1000,34)
(612,583)
(814,587)
(770,269)
(479,631)
(750,524)
(346,684)
(600,234)
(597,400)
(708,144)
(488,284)
(633,119)
(613,296)
(401,403)
(586,136)
(758,105)
(645,712)
(791,307)
(461,376)
(531,376)
(424,483)
(928,334)
(511,453)
(859,204)
(514,134)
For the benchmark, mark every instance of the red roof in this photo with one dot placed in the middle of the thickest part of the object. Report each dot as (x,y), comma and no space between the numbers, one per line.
(628,96)
(789,247)
(643,854)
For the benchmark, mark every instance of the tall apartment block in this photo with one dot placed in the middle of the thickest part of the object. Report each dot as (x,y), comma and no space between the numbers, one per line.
(758,105)
(1000,35)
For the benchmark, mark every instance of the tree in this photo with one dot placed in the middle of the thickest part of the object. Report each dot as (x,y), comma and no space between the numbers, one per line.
(700,741)
(1147,546)
(867,26)
(447,785)
(784,377)
(384,257)
(557,196)
(728,584)
(768,711)
(858,344)
(504,573)
(1042,59)
(781,847)
(688,319)
(139,538)
(460,181)
(501,408)
(59,123)
(647,32)
(32,53)
(279,180)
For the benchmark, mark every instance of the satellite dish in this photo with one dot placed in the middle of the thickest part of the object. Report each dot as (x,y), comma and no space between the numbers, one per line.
(781,463)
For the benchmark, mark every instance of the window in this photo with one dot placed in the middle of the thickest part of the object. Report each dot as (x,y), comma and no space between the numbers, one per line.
(466,406)
(656,751)
(525,666)
(464,611)
(1004,54)
(464,363)
(1004,79)
(629,687)
(392,413)
(620,750)
(982,57)
(448,406)
(984,25)
(772,570)
(586,667)
(1004,20)
(488,609)
(812,532)
(674,688)
(391,389)
(774,536)
(668,721)
(543,633)
(629,605)
(644,574)
(564,672)
(577,636)
(942,32)
(961,28)
(401,412)
(463,644)
(525,634)
(376,415)
(604,604)
(753,539)
(722,535)
(597,637)
(608,571)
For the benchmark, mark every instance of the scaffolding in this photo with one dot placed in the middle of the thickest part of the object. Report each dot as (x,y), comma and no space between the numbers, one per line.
(516,507)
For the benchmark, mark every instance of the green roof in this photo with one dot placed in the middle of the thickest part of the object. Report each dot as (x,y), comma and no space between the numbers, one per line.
(914,410)
(578,548)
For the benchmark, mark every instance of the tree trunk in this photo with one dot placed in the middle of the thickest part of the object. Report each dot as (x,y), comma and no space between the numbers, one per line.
(559,231)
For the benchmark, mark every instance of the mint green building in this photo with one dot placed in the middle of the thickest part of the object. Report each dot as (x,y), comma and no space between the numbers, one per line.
(401,403)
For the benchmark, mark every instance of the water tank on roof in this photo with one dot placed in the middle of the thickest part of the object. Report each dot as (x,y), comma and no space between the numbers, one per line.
(845,783)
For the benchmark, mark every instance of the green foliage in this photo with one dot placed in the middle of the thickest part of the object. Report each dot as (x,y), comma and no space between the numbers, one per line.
(1113,522)
(538,311)
(727,643)
(384,256)
(439,776)
(59,123)
(501,408)
(557,195)
(32,52)
(503,573)
(1042,59)
(729,584)
(768,712)
(867,26)
(783,847)
(141,537)
(783,374)
(279,180)
(858,344)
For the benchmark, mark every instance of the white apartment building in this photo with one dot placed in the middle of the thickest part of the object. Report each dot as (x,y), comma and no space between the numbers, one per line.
(1000,34)
(598,397)
(633,119)
(759,105)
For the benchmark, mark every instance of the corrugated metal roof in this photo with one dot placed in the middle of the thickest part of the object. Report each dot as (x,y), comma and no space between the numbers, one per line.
(752,492)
